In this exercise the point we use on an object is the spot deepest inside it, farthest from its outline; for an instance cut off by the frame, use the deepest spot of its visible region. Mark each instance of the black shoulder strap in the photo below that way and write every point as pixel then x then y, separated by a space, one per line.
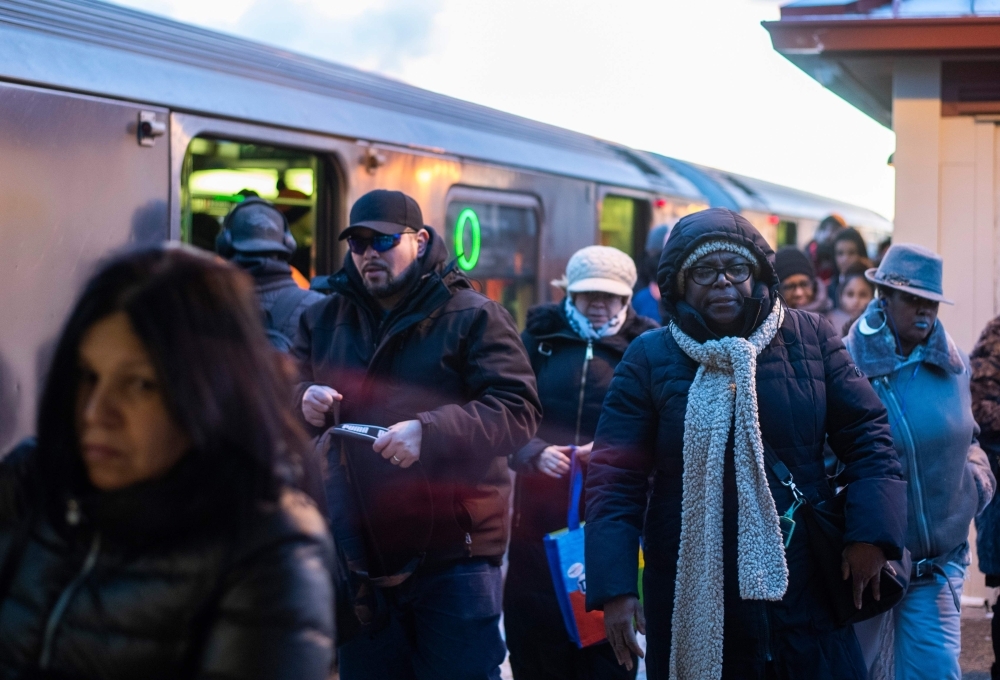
pixel 285 306
pixel 781 471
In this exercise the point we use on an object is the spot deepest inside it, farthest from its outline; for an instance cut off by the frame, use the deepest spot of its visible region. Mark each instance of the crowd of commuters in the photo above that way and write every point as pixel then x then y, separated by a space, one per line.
pixel 203 498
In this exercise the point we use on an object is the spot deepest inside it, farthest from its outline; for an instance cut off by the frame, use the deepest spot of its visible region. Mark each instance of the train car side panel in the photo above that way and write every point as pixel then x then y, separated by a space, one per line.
pixel 76 184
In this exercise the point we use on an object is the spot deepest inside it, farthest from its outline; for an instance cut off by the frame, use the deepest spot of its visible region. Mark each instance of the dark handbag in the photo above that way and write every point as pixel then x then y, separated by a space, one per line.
pixel 825 524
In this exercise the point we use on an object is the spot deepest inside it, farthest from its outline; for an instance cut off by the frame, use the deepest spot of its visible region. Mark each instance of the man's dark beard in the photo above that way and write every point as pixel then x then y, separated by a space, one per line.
pixel 394 284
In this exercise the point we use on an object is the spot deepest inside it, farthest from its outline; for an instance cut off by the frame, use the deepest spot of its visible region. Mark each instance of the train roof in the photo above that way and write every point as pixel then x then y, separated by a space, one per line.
pixel 725 189
pixel 99 48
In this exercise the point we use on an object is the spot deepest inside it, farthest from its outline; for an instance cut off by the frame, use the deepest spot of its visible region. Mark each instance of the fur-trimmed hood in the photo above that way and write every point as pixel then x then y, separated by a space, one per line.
pixel 876 355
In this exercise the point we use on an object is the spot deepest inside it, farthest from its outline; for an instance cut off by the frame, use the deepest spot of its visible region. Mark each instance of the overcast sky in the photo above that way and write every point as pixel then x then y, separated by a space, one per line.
pixel 695 79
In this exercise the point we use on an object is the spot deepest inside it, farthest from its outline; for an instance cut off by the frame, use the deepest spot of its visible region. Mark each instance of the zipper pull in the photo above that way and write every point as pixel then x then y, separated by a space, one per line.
pixel 590 350
pixel 468 538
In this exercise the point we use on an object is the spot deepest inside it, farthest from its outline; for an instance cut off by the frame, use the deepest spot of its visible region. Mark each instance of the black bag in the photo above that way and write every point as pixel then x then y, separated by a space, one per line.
pixel 825 524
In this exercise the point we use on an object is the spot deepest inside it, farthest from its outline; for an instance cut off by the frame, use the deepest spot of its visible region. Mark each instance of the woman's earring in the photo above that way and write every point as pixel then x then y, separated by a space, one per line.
pixel 866 328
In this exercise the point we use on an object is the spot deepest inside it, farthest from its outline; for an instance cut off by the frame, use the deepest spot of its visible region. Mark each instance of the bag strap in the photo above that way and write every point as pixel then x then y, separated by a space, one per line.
pixel 782 472
pixel 576 490
pixel 285 306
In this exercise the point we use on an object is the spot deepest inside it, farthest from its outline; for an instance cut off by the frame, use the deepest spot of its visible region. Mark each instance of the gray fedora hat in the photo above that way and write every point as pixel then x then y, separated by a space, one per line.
pixel 911 269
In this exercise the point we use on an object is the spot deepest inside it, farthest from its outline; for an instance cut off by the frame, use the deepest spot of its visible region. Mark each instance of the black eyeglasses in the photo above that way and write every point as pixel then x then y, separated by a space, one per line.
pixel 379 242
pixel 706 276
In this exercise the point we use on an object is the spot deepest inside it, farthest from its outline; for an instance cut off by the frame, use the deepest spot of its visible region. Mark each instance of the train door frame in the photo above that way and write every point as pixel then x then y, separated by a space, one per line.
pixel 638 237
pixel 333 183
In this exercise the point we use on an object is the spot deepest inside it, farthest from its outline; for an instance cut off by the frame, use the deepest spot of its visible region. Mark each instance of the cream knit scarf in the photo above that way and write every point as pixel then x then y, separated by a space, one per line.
pixel 724 384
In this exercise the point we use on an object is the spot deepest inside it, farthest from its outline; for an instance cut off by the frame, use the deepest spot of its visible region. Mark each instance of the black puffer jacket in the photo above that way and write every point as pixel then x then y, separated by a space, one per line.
pixel 152 583
pixel 450 358
pixel 808 390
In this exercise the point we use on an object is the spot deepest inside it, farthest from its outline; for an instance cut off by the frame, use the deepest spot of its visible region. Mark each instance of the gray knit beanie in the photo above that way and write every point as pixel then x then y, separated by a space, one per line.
pixel 599 269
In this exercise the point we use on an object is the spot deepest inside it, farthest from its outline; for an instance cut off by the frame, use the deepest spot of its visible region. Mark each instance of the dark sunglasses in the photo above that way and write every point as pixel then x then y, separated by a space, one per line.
pixel 706 276
pixel 379 242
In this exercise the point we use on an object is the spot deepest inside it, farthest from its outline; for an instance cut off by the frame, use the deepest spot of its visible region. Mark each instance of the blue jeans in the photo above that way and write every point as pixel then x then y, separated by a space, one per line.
pixel 444 624
pixel 929 628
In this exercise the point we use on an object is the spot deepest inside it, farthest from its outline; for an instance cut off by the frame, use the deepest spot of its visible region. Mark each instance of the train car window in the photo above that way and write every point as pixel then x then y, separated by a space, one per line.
pixel 218 174
pixel 625 223
pixel 496 244
pixel 788 233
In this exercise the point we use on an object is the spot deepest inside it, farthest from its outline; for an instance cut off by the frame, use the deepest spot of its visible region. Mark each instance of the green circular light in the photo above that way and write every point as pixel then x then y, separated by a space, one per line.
pixel 467 261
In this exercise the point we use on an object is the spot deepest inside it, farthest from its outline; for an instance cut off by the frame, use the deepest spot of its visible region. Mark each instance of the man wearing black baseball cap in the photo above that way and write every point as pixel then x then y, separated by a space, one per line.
pixel 404 342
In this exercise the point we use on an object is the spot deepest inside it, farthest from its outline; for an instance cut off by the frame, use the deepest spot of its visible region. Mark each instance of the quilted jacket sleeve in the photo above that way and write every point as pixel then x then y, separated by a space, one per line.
pixel 274 620
pixel 503 411
pixel 617 480
pixel 858 432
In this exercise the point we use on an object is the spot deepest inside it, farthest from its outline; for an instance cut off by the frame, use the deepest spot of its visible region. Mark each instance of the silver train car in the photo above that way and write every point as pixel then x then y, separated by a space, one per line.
pixel 119 127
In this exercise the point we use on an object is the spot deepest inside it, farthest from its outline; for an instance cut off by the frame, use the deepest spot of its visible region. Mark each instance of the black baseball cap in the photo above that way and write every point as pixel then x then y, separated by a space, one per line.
pixel 384 211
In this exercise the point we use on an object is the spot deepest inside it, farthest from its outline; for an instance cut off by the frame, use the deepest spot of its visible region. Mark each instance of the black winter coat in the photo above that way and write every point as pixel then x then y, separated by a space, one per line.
pixel 809 392
pixel 281 299
pixel 151 583
pixel 558 356
pixel 451 358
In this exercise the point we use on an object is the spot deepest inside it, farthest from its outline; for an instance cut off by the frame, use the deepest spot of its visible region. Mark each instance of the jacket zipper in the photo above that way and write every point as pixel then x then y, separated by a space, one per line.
pixel 911 455
pixel 767 632
pixel 55 617
pixel 587 358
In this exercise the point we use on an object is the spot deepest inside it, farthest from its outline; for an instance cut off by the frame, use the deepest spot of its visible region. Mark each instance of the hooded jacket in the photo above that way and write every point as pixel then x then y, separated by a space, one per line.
pixel 450 358
pixel 808 392
pixel 930 410
pixel 160 580
pixel 274 283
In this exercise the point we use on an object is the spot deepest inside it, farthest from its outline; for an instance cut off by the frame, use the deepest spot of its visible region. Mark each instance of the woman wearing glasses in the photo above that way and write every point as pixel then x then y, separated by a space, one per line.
pixel 574 347
pixel 693 405
pixel 152 531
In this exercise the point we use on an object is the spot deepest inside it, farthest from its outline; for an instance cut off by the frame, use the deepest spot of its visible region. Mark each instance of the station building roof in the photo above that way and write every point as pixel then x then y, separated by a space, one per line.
pixel 848 46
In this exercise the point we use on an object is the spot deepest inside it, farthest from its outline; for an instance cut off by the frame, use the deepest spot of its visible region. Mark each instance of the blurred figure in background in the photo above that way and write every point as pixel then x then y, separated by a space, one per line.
pixel 799 285
pixel 574 347
pixel 255 235
pixel 986 408
pixel 820 249
pixel 856 292
pixel 646 301
pixel 924 381
pixel 848 249
pixel 152 531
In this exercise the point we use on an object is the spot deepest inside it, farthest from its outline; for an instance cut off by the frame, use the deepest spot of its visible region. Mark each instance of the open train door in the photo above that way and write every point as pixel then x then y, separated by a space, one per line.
pixel 78 180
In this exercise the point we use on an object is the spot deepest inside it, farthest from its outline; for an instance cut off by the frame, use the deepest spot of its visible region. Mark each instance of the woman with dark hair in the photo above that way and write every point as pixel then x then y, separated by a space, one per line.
pixel 849 249
pixel 152 531
pixel 697 405
pixel 853 296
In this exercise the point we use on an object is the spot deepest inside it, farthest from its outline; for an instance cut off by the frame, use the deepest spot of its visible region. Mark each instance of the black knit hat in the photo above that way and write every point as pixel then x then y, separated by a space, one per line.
pixel 789 261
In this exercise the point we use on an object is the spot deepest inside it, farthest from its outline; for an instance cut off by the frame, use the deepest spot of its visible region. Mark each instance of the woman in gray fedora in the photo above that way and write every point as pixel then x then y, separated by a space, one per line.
pixel 923 380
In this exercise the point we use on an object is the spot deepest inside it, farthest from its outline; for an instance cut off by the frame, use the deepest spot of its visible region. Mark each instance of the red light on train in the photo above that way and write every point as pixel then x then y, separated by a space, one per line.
pixel 773 219
pixel 661 203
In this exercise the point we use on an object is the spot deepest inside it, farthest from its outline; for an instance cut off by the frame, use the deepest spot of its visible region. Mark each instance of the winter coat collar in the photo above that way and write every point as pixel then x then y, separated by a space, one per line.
pixel 268 272
pixel 548 322
pixel 436 284
pixel 876 355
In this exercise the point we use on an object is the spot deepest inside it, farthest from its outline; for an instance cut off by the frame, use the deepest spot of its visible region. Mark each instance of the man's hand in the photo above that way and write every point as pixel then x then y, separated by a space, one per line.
pixel 401 444
pixel 554 461
pixel 622 617
pixel 317 402
pixel 865 562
